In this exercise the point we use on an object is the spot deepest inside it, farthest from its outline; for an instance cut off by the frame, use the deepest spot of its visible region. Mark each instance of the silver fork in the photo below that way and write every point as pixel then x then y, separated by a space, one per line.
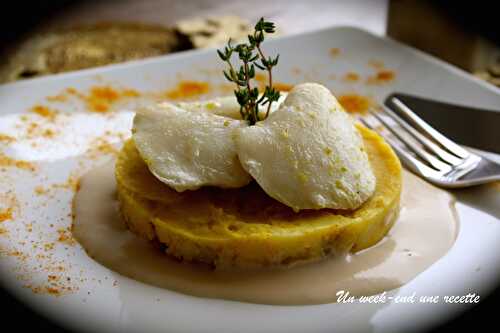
pixel 428 153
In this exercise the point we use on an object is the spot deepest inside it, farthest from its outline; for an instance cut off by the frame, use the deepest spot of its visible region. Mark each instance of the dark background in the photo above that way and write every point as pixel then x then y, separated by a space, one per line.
pixel 22 16
pixel 17 315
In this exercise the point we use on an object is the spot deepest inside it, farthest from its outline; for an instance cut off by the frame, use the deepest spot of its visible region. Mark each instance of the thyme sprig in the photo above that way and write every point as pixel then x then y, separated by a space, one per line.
pixel 251 56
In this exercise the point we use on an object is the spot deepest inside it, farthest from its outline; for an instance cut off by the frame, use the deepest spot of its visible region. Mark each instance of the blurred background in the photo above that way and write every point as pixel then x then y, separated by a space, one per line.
pixel 46 37
pixel 40 38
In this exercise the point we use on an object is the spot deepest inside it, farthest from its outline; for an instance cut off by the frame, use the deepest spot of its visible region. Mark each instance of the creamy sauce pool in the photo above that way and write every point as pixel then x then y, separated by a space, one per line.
pixel 425 230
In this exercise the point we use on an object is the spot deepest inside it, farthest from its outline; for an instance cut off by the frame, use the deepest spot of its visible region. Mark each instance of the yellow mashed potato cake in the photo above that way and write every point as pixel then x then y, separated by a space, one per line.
pixel 244 227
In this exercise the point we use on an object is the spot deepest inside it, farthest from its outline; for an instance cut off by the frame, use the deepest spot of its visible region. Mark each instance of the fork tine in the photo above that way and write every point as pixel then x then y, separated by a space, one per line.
pixel 408 160
pixel 433 161
pixel 444 155
pixel 411 162
pixel 427 129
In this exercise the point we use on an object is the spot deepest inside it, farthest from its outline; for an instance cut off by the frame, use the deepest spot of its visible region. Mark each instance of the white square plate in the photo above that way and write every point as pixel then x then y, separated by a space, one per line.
pixel 36 254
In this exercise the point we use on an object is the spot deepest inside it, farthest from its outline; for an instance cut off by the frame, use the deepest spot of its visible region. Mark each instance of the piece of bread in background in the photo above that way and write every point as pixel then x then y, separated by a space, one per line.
pixel 88 46
pixel 92 45
pixel 214 31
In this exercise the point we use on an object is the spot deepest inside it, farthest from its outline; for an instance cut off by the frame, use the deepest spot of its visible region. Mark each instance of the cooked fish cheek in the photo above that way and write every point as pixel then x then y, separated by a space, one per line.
pixel 187 150
pixel 308 154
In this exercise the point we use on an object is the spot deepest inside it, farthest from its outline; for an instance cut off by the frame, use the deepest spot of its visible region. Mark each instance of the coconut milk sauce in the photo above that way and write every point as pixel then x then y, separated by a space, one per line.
pixel 425 230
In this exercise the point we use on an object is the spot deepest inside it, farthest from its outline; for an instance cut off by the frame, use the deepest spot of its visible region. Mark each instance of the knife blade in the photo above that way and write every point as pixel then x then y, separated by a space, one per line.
pixel 473 127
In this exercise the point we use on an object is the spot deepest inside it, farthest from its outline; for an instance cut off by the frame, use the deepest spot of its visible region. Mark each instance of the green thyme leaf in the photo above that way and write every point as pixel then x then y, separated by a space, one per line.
pixel 250 54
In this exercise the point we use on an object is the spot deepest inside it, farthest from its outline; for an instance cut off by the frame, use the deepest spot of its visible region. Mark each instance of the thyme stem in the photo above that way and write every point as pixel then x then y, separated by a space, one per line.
pixel 251 55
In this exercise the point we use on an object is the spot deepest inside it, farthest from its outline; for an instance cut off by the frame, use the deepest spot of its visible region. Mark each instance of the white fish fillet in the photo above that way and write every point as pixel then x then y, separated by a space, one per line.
pixel 187 150
pixel 308 154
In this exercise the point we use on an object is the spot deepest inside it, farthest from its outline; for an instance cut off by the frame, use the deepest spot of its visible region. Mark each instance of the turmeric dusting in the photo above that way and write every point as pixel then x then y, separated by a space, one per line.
pixel 36 254
pixel 104 147
pixel 130 93
pixel 45 290
pixel 71 91
pixel 72 184
pixel 188 89
pixel 52 278
pixel 6 214
pixel 65 236
pixel 48 246
pixel 35 130
pixel 61 97
pixel 262 81
pixel 353 103
pixel 44 111
pixel 282 86
pixel 100 99
pixel 385 75
pixel 48 133
pixel 105 93
pixel 6 138
pixel 351 77
pixel 334 52
pixel 381 77
pixel 53 291
pixel 101 146
pixel 40 190
pixel 6 161
pixel 107 148
pixel 260 78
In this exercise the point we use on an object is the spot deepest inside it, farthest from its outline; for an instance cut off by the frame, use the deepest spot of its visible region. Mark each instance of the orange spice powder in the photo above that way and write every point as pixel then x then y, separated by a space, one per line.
pixel 48 133
pixel 381 77
pixel 40 190
pixel 130 93
pixel 386 75
pixel 65 236
pixel 44 290
pixel 6 161
pixel 261 78
pixel 6 214
pixel 262 81
pixel 100 98
pixel 72 184
pixel 283 86
pixel 334 52
pixel 353 103
pixel 61 97
pixel 44 111
pixel 105 147
pixel 188 89
pixel 351 77
pixel 6 138
pixel 72 91
pixel 104 93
